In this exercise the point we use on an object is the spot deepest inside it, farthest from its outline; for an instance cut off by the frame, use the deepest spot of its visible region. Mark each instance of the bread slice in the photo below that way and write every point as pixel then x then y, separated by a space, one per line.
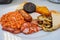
pixel 21 6
pixel 55 19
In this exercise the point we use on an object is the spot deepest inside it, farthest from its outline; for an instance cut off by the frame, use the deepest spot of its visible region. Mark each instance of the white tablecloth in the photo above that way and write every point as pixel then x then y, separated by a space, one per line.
pixel 9 36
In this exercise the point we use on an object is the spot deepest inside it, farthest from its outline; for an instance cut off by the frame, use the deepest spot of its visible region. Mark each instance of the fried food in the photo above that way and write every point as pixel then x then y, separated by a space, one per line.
pixel 12 21
pixel 42 10
pixel 50 23
pixel 45 22
pixel 34 8
pixel 29 7
pixel 21 20
pixel 26 15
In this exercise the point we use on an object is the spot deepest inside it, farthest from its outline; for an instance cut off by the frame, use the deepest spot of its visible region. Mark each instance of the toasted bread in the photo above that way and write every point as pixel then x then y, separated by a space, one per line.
pixel 21 6
pixel 55 19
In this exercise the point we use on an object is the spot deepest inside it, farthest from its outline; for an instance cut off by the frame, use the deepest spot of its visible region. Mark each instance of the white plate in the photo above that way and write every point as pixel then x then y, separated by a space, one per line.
pixel 34 36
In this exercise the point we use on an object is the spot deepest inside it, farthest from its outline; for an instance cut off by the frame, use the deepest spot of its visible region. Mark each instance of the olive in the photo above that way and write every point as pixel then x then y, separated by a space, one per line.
pixel 29 7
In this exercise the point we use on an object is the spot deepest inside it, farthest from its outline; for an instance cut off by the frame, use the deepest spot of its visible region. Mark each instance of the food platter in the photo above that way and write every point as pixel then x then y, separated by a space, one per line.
pixel 39 34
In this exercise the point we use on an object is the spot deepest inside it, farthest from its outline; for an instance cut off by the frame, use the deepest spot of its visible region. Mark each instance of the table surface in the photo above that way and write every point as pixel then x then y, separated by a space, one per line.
pixel 39 2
